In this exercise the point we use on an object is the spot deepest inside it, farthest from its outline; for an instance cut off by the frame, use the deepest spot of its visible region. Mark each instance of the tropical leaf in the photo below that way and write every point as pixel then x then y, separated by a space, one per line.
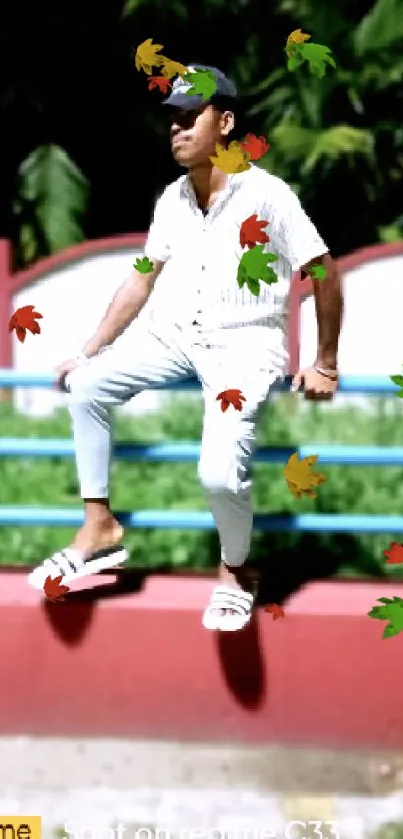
pixel 50 203
pixel 275 104
pixel 297 8
pixel 130 7
pixel 301 95
pixel 380 29
pixel 392 232
pixel 340 141
pixel 293 142
pixel 273 78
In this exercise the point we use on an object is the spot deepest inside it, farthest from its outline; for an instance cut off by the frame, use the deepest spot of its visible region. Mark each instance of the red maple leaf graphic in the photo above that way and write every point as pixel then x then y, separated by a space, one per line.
pixel 23 319
pixel 53 590
pixel 256 147
pixel 275 610
pixel 394 554
pixel 231 397
pixel 159 82
pixel 251 232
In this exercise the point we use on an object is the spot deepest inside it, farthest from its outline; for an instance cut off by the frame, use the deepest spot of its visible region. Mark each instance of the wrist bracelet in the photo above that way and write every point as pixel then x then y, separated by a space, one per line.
pixel 330 374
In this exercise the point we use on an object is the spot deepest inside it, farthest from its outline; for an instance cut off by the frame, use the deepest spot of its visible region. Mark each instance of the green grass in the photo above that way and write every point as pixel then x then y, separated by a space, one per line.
pixel 389 830
pixel 286 422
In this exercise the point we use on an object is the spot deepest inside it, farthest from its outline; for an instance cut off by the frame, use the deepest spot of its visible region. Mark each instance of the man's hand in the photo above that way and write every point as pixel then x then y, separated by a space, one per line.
pixel 62 371
pixel 316 386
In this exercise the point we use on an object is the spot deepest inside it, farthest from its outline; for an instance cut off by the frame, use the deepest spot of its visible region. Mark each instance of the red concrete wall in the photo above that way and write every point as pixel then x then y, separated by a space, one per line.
pixel 140 664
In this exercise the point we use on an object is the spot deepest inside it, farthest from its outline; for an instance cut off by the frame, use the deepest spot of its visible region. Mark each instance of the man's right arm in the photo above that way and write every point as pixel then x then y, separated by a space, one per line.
pixel 127 303
pixel 134 293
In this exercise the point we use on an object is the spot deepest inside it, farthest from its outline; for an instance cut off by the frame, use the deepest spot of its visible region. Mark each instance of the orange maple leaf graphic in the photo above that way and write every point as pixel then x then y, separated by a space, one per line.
pixel 256 147
pixel 275 610
pixel 53 590
pixel 300 480
pixel 251 232
pixel 394 554
pixel 231 397
pixel 159 82
pixel 23 319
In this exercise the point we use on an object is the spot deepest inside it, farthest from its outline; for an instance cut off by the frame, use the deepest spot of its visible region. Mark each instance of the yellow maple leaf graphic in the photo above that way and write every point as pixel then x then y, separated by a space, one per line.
pixel 231 160
pixel 300 480
pixel 298 37
pixel 172 68
pixel 146 56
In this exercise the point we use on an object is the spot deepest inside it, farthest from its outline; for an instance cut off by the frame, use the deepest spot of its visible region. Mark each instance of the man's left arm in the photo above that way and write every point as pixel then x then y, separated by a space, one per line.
pixel 329 310
pixel 300 243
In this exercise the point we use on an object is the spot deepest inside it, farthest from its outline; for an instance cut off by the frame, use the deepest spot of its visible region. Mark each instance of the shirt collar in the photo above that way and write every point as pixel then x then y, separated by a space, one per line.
pixel 234 182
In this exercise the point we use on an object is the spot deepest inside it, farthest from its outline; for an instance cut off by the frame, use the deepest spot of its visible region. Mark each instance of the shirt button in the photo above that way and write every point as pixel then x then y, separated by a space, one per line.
pixel 203 267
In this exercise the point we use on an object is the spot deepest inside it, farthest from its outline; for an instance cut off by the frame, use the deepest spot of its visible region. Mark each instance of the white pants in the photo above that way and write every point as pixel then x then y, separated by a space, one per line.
pixel 241 358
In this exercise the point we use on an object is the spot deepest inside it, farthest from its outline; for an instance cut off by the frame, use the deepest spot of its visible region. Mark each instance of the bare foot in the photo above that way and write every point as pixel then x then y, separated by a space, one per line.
pixel 96 536
pixel 237 578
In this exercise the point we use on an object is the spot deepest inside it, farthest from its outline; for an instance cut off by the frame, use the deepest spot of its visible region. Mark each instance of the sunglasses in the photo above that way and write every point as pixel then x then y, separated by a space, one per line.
pixel 185 118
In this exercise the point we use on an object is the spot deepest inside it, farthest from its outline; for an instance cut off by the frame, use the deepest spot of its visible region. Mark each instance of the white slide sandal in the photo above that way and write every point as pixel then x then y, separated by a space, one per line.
pixel 70 565
pixel 226 597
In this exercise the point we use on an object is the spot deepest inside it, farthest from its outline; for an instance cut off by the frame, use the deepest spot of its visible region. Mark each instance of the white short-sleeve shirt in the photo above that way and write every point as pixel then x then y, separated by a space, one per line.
pixel 202 252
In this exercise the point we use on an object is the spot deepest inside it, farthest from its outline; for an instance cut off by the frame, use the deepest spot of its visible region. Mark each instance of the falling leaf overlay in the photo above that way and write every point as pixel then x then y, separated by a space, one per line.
pixel 254 146
pixel 275 610
pixel 251 232
pixel 231 160
pixel 394 554
pixel 202 83
pixel 146 56
pixel 23 319
pixel 53 590
pixel 231 397
pixel 253 267
pixel 398 380
pixel 296 37
pixel 392 611
pixel 159 82
pixel 172 68
pixel 317 56
pixel 300 480
pixel 317 272
pixel 144 265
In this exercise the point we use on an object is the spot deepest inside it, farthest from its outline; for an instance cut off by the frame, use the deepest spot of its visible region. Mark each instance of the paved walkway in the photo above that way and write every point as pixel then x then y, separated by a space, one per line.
pixel 97 784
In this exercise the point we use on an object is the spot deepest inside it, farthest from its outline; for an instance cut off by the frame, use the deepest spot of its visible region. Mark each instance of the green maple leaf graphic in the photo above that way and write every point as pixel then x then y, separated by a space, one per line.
pixel 398 380
pixel 202 83
pixel 253 267
pixel 391 611
pixel 317 56
pixel 144 265
pixel 318 272
pixel 295 56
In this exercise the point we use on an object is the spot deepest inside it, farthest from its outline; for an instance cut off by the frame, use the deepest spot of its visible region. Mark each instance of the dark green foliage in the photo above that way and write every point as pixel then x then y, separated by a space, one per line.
pixel 337 140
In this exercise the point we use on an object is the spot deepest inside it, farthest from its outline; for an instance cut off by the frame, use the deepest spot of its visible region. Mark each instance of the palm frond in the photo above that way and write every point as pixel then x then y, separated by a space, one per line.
pixel 340 141
pixel 49 204
pixel 380 29
pixel 291 142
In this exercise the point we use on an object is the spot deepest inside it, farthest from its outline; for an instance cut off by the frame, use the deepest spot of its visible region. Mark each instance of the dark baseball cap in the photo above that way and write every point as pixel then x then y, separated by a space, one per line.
pixel 178 98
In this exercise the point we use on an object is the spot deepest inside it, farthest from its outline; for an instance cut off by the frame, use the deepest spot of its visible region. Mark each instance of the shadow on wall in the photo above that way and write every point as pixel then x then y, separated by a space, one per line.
pixel 285 563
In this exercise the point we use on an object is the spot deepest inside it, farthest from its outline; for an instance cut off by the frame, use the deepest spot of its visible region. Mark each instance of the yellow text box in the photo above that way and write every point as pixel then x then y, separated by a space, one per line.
pixel 20 827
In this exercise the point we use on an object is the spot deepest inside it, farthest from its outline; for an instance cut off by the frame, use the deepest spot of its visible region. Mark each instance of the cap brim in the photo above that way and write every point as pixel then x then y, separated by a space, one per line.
pixel 183 102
